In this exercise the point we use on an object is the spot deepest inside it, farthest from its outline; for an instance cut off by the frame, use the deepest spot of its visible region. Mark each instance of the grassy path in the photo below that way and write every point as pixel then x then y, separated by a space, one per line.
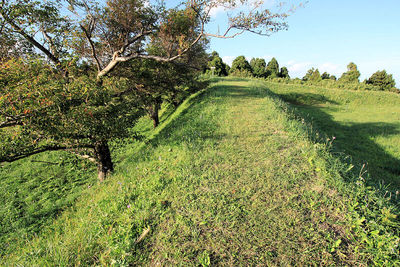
pixel 251 196
pixel 228 180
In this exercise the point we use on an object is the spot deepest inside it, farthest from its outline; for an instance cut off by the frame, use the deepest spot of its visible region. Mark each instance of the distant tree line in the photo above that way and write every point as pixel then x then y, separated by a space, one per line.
pixel 242 68
pixel 379 81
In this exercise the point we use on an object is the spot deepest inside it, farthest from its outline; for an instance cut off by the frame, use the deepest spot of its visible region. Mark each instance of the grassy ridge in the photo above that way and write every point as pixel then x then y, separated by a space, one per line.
pixel 366 125
pixel 229 179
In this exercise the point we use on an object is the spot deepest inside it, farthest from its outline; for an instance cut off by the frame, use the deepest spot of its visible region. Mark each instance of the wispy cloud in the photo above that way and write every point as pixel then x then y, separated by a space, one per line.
pixel 299 69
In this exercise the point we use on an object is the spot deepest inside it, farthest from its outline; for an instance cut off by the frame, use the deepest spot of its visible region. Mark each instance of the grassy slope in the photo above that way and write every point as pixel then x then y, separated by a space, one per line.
pixel 366 125
pixel 34 191
pixel 228 179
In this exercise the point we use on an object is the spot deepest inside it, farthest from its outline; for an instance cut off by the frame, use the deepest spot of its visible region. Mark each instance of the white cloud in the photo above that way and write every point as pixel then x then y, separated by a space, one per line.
pixel 331 68
pixel 299 69
pixel 228 60
pixel 216 11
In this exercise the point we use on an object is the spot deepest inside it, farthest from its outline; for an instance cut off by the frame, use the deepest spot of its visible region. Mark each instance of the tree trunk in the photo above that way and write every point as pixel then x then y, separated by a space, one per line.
pixel 103 158
pixel 154 112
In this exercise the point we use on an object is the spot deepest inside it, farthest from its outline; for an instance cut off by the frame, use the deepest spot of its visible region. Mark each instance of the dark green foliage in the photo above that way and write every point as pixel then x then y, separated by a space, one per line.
pixel 352 74
pixel 382 80
pixel 315 77
pixel 241 67
pixel 216 66
pixel 258 66
pixel 325 76
pixel 308 75
pixel 284 73
pixel 273 68
pixel 333 77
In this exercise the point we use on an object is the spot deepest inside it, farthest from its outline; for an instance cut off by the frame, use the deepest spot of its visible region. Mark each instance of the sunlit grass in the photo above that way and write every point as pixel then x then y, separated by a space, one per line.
pixel 366 125
pixel 230 178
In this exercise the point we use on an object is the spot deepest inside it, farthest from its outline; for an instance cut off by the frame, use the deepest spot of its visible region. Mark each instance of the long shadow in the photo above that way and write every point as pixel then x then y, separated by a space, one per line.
pixel 353 139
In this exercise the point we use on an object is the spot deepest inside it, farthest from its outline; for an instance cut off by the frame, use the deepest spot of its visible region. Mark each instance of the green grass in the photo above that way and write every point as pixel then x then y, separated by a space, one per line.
pixel 35 191
pixel 230 178
pixel 366 125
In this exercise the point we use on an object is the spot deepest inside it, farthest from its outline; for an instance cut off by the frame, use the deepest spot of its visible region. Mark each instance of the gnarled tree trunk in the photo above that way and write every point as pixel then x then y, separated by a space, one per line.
pixel 103 158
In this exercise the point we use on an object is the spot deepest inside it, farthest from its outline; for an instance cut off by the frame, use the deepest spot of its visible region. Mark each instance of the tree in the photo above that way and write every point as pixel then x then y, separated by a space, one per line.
pixel 241 67
pixel 382 80
pixel 273 68
pixel 258 66
pixel 352 74
pixel 216 66
pixel 325 76
pixel 68 95
pixel 284 73
pixel 315 77
pixel 308 75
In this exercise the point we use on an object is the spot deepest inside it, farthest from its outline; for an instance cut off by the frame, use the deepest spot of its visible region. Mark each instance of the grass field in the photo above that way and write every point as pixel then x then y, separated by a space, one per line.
pixel 366 125
pixel 230 178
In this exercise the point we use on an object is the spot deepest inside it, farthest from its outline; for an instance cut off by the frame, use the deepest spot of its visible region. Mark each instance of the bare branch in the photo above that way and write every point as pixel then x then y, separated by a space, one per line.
pixel 94 54
pixel 116 56
pixel 224 36
pixel 51 43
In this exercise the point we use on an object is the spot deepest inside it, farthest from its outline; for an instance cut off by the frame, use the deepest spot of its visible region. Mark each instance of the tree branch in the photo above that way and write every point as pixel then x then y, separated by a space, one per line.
pixel 94 54
pixel 41 150
pixel 35 43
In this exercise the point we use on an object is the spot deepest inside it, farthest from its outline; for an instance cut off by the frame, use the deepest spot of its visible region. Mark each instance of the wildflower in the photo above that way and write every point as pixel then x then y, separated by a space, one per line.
pixel 128 206
pixel 333 138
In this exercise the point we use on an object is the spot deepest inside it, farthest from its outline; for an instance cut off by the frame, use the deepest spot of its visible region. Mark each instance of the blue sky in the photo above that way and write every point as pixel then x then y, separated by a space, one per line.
pixel 326 34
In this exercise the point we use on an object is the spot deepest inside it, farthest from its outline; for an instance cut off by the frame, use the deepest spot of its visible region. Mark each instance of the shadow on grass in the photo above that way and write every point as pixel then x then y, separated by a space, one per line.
pixel 354 139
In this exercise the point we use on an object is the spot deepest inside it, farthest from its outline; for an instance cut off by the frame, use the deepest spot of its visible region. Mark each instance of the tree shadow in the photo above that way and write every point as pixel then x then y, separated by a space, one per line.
pixel 350 138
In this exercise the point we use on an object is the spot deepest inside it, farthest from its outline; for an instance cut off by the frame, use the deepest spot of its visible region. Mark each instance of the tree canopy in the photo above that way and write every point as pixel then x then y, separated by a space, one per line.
pixel 352 75
pixel 382 80
pixel 241 67
pixel 272 68
pixel 217 66
pixel 258 66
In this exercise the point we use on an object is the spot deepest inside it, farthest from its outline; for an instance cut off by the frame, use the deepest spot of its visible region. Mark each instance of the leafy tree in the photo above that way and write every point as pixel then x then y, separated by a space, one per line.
pixel 68 94
pixel 258 66
pixel 382 80
pixel 272 68
pixel 352 74
pixel 284 73
pixel 308 75
pixel 333 78
pixel 325 76
pixel 241 67
pixel 316 76
pixel 216 66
